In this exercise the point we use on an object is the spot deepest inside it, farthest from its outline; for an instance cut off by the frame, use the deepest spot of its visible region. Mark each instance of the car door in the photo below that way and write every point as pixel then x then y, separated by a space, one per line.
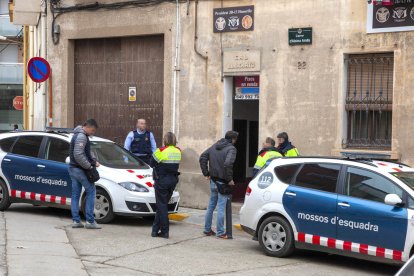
pixel 53 171
pixel 311 199
pixel 364 218
pixel 19 166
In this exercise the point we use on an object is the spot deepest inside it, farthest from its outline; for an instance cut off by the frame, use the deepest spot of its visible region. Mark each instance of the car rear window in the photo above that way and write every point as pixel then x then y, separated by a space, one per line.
pixel 318 176
pixel 287 172
pixel 28 146
pixel 5 144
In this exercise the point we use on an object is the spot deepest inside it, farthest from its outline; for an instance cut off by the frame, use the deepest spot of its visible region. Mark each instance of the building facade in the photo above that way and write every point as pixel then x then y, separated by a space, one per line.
pixel 186 68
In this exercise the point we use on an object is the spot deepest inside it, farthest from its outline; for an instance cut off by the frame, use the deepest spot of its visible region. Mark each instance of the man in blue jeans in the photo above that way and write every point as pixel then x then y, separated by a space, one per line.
pixel 81 160
pixel 217 165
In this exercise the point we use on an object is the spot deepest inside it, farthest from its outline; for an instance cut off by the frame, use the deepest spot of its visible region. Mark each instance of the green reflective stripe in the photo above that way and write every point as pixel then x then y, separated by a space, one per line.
pixel 171 161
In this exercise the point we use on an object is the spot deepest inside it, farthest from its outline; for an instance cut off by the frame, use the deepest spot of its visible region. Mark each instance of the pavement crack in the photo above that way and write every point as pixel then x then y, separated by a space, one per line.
pixel 252 269
pixel 123 267
pixel 153 248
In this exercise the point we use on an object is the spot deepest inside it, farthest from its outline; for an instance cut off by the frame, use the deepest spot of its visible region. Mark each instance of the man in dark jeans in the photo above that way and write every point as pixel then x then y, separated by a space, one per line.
pixel 81 160
pixel 217 165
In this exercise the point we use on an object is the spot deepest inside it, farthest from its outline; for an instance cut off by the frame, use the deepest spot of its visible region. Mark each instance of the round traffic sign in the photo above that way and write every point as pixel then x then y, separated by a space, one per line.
pixel 18 102
pixel 38 69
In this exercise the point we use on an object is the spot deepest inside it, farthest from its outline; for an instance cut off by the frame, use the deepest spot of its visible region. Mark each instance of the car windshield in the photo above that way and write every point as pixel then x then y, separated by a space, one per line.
pixel 406 177
pixel 111 155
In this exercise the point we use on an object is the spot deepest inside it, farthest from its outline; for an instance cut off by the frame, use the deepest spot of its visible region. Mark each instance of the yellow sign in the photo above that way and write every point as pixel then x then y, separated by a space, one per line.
pixel 132 94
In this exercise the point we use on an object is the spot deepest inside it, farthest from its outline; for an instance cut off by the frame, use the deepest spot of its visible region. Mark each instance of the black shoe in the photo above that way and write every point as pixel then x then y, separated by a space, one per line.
pixel 165 236
pixel 154 234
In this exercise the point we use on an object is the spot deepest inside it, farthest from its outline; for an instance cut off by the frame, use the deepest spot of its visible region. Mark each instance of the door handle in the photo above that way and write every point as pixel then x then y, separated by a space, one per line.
pixel 290 194
pixel 6 160
pixel 41 166
pixel 344 204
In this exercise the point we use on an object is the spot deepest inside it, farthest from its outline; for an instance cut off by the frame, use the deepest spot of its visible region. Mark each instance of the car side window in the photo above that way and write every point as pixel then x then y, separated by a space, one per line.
pixel 28 146
pixel 319 176
pixel 286 173
pixel 57 150
pixel 6 144
pixel 364 184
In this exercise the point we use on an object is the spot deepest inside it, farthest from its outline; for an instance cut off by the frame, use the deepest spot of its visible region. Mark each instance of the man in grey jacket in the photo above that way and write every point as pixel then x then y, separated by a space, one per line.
pixel 217 165
pixel 81 160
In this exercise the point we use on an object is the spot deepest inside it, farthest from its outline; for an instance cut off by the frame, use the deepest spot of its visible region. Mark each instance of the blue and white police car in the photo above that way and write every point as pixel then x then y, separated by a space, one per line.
pixel 359 208
pixel 34 169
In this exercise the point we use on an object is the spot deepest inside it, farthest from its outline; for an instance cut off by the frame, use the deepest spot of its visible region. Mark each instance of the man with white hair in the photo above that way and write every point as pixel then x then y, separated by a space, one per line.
pixel 141 142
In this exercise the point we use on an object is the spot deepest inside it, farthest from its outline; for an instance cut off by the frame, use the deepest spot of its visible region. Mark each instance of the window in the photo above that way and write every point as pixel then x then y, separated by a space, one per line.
pixel 57 150
pixel 5 144
pixel 368 185
pixel 28 146
pixel 318 176
pixel 369 99
pixel 286 173
pixel 113 156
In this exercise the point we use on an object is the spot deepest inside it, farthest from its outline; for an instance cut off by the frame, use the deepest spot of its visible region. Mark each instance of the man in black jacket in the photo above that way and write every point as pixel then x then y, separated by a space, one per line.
pixel 217 165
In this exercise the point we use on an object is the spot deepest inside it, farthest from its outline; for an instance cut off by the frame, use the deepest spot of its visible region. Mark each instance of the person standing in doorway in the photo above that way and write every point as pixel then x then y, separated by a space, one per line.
pixel 81 160
pixel 166 162
pixel 268 152
pixel 285 147
pixel 217 166
pixel 141 142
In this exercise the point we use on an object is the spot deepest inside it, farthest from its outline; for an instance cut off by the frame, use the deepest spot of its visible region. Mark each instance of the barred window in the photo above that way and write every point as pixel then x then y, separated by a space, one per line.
pixel 369 98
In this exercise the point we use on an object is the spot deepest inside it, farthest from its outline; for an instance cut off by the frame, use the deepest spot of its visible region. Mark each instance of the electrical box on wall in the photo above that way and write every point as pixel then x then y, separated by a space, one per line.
pixel 26 12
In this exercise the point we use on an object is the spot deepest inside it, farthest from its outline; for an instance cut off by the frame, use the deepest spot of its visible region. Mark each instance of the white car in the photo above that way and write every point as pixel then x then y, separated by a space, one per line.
pixel 359 208
pixel 34 169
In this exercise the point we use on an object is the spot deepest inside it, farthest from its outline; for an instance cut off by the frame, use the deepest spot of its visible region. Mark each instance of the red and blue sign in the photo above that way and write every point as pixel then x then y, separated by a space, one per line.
pixel 38 69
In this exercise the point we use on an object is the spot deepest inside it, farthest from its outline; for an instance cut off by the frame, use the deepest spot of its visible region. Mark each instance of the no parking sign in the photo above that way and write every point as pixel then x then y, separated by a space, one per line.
pixel 38 69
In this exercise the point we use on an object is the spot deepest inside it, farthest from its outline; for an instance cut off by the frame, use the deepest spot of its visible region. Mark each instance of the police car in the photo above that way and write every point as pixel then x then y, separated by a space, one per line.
pixel 34 169
pixel 359 208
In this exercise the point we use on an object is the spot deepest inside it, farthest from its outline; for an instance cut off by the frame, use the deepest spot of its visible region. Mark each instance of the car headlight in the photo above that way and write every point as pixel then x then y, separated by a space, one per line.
pixel 134 187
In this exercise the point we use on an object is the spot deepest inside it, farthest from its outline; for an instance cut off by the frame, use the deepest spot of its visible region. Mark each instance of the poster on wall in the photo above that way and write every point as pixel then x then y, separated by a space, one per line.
pixel 247 88
pixel 395 16
pixel 233 19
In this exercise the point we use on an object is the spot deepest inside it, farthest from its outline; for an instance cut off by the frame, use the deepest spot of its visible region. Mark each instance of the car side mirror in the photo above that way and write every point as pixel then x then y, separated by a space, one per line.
pixel 67 160
pixel 393 200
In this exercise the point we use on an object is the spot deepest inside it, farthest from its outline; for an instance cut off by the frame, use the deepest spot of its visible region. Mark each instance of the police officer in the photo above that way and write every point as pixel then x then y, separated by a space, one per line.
pixel 141 142
pixel 165 161
pixel 285 147
pixel 269 151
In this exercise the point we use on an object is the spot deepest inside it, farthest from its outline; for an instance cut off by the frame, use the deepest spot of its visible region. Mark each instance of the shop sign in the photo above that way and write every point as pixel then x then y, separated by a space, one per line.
pixel 241 61
pixel 395 17
pixel 247 87
pixel 233 19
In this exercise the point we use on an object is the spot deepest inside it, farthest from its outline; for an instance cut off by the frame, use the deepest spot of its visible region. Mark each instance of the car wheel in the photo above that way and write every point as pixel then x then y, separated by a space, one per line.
pixel 4 196
pixel 276 237
pixel 103 211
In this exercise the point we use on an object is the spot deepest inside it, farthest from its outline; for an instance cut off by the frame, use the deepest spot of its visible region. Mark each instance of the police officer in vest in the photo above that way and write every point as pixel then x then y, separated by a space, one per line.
pixel 285 147
pixel 165 161
pixel 268 152
pixel 141 142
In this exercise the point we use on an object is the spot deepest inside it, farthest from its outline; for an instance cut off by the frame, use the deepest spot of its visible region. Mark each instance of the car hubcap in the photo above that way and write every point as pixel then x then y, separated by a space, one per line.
pixel 274 236
pixel 101 207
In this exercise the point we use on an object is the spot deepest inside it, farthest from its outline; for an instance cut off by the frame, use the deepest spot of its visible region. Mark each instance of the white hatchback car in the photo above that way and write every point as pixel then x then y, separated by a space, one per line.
pixel 359 208
pixel 33 169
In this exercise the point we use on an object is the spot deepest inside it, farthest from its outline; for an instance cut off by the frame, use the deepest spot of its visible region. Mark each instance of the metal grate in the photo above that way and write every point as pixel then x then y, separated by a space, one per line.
pixel 369 101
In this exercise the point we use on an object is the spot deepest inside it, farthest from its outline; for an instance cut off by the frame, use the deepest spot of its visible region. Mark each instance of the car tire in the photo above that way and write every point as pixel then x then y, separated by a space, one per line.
pixel 4 196
pixel 276 237
pixel 105 213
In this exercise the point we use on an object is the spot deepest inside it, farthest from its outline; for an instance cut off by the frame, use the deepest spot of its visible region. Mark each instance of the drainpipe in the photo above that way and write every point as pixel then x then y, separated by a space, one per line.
pixel 25 86
pixel 50 100
pixel 31 84
pixel 43 54
pixel 176 69
pixel 196 32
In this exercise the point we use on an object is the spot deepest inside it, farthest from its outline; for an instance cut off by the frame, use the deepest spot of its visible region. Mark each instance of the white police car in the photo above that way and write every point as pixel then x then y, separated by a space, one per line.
pixel 33 169
pixel 359 208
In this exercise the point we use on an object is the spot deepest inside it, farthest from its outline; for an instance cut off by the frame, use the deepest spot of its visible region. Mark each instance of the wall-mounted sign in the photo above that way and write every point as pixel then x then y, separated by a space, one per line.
pixel 300 36
pixel 132 94
pixel 241 61
pixel 247 87
pixel 38 69
pixel 395 17
pixel 233 19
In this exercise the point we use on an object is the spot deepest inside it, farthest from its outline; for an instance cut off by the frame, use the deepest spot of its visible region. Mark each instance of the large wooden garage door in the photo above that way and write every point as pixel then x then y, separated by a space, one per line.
pixel 104 71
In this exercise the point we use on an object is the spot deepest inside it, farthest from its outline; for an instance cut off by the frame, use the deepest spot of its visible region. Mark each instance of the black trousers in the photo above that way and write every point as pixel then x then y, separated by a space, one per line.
pixel 164 188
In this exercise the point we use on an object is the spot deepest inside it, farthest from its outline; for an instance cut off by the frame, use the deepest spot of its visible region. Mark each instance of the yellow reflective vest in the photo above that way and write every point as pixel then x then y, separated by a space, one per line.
pixel 266 155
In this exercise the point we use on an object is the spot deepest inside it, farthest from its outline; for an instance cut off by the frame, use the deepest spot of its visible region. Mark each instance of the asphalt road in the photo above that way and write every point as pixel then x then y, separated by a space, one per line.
pixel 39 241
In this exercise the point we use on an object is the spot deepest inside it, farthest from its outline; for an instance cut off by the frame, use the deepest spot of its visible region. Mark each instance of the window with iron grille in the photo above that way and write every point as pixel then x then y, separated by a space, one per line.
pixel 369 98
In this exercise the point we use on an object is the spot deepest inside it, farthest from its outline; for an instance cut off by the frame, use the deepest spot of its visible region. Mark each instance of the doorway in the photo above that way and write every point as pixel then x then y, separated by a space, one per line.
pixel 244 120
